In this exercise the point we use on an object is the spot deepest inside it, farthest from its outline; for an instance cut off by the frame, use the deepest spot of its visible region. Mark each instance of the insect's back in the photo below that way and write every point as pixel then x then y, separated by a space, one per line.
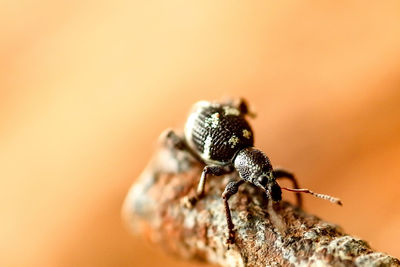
pixel 216 132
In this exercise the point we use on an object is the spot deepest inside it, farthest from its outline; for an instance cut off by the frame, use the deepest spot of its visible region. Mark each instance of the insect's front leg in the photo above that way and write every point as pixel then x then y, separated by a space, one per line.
pixel 230 189
pixel 281 173
pixel 213 170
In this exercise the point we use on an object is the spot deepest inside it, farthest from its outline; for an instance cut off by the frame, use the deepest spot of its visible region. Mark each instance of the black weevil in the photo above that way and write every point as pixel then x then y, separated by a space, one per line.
pixel 218 134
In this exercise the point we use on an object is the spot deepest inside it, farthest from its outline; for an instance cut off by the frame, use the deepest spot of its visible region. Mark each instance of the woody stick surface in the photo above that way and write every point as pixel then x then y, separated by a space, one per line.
pixel 265 236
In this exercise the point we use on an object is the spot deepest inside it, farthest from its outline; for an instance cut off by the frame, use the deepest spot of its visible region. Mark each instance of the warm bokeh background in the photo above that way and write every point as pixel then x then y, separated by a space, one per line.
pixel 87 86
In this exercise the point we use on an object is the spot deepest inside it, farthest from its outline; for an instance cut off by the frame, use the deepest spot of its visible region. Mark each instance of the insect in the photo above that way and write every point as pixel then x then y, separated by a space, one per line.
pixel 218 134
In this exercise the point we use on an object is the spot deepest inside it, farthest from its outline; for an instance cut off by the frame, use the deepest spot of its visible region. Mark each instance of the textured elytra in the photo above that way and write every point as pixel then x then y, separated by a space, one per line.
pixel 217 132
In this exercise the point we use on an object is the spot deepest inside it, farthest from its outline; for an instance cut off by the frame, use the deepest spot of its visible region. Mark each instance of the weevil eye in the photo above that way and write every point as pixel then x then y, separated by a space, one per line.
pixel 276 192
pixel 263 180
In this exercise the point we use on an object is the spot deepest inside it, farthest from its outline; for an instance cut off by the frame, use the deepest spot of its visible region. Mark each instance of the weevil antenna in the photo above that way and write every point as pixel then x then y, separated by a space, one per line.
pixel 326 197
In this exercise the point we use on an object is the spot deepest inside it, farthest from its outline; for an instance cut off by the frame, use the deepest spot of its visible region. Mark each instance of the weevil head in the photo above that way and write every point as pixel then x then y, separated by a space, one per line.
pixel 255 167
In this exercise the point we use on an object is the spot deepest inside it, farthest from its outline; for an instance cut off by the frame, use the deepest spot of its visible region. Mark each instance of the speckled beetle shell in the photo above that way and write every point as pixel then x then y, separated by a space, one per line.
pixel 216 132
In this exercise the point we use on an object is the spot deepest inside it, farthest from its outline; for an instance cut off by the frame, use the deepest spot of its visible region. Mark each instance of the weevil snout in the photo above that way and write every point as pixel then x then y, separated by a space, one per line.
pixel 276 192
pixel 271 188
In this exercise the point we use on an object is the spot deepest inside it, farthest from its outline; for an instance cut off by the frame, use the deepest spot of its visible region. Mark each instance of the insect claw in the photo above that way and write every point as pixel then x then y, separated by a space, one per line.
pixel 231 237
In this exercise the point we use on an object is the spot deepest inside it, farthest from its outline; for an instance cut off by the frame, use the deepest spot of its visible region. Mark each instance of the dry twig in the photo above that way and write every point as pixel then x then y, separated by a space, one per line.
pixel 281 237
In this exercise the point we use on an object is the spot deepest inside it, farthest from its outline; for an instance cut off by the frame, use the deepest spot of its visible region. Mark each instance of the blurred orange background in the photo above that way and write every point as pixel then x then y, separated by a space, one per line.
pixel 87 86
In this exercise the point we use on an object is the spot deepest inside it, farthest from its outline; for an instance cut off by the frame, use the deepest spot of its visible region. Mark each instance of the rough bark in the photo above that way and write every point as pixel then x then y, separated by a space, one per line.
pixel 282 235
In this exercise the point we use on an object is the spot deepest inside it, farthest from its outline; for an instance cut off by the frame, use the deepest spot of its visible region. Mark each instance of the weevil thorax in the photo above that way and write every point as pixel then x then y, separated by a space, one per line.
pixel 217 131
pixel 255 167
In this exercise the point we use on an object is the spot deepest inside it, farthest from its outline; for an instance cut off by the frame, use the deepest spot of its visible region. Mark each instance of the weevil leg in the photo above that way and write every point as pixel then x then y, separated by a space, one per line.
pixel 281 173
pixel 173 140
pixel 214 170
pixel 244 108
pixel 230 189
pixel 241 104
